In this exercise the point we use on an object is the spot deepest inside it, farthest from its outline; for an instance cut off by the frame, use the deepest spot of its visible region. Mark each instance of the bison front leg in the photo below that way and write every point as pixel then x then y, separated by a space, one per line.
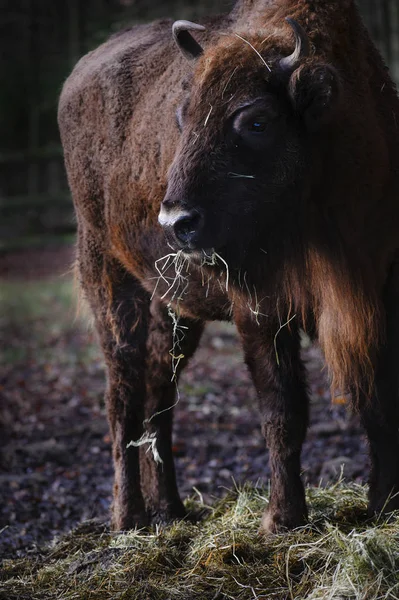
pixel 272 355
pixel 168 350
pixel 380 416
pixel 137 339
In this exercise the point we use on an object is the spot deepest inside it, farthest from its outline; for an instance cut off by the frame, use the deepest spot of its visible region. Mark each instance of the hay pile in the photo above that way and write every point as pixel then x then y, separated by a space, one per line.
pixel 340 555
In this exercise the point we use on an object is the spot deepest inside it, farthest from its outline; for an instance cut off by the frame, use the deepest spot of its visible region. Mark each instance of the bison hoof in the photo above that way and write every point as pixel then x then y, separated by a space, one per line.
pixel 130 521
pixel 383 506
pixel 164 516
pixel 275 521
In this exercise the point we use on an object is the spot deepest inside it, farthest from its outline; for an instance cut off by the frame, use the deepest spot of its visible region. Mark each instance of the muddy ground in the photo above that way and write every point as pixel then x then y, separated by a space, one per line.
pixel 55 454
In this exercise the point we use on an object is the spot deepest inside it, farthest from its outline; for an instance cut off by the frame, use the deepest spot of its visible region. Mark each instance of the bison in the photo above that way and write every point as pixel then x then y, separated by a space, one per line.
pixel 245 169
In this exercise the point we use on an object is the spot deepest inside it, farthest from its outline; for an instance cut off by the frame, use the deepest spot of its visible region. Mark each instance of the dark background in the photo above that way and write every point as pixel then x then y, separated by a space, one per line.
pixel 41 40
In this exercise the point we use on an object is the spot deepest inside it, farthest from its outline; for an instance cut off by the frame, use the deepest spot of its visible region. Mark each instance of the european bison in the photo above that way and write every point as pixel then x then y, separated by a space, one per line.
pixel 250 174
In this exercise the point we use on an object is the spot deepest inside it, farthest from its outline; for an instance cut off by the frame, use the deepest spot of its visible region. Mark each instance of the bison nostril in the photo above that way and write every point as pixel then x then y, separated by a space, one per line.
pixel 186 227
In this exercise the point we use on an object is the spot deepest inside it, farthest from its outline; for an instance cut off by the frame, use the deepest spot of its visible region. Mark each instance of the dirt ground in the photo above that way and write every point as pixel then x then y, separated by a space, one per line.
pixel 55 455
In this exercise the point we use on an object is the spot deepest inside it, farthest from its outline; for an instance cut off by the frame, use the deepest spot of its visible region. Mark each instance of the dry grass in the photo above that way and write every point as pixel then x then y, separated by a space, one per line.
pixel 340 555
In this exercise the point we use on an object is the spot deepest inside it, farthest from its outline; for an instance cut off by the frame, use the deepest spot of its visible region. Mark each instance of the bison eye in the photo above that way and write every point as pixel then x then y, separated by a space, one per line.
pixel 258 125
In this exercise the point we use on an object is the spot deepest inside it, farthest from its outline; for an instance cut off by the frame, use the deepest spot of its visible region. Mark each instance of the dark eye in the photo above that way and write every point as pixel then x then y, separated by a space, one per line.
pixel 258 125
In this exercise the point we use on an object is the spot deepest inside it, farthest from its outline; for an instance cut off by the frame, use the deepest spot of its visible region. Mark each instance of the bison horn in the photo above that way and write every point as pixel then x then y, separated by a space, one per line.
pixel 187 45
pixel 302 47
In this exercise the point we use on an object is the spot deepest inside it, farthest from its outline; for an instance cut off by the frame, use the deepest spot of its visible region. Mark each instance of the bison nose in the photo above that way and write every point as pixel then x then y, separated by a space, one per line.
pixel 182 226
pixel 186 227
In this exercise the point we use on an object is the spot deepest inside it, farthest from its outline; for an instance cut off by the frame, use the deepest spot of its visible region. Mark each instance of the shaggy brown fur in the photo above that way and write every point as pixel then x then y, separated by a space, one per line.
pixel 307 225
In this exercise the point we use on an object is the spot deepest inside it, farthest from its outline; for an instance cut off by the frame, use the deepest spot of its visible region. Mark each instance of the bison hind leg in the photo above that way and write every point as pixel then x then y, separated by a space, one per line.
pixel 120 308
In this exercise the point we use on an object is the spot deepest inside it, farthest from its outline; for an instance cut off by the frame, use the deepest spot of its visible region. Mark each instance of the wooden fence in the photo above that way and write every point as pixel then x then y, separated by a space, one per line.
pixel 34 197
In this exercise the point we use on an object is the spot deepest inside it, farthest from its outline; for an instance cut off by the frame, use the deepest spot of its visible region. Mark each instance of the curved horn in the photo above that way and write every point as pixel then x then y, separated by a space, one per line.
pixel 302 46
pixel 187 45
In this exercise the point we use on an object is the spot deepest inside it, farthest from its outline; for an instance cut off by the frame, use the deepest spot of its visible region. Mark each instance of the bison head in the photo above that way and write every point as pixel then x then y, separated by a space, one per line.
pixel 249 124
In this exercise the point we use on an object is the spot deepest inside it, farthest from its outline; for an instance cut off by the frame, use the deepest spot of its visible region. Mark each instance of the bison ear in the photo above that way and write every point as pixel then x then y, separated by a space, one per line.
pixel 315 91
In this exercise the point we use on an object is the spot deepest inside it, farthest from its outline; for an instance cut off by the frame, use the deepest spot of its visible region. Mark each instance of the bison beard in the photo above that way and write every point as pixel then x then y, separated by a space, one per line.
pixel 268 149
